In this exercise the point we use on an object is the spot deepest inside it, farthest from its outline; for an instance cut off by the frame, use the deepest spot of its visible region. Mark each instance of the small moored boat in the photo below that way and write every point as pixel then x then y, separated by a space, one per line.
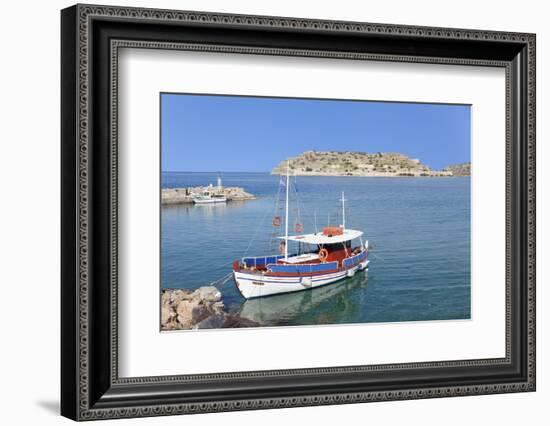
pixel 211 195
pixel 329 256
pixel 209 198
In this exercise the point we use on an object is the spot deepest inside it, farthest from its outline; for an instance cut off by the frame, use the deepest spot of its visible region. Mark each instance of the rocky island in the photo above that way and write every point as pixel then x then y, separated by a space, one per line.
pixel 380 164
pixel 183 309
pixel 462 169
pixel 185 195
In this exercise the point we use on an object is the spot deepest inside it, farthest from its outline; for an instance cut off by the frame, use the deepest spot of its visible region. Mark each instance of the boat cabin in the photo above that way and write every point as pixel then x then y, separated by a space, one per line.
pixel 332 247
pixel 333 244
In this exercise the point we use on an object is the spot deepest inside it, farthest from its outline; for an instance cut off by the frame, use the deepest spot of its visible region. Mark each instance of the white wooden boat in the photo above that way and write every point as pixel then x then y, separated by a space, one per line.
pixel 209 198
pixel 331 255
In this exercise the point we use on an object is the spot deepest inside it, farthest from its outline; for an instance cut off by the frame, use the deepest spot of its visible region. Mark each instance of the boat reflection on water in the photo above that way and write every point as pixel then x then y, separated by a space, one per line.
pixel 339 300
pixel 201 210
pixel 211 209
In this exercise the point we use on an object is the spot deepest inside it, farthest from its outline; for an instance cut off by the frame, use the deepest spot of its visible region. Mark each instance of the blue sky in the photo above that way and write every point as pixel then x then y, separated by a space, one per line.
pixel 249 134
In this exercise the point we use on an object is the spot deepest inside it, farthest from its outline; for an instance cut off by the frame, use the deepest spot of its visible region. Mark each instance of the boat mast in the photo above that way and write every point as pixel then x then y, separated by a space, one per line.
pixel 286 212
pixel 315 219
pixel 343 212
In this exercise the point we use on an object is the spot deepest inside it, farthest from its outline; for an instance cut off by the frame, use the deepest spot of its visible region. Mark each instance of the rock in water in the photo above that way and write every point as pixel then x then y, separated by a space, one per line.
pixel 183 309
pixel 213 321
pixel 209 293
pixel 200 312
pixel 217 307
pixel 166 298
pixel 178 295
pixel 185 313
pixel 236 321
pixel 166 314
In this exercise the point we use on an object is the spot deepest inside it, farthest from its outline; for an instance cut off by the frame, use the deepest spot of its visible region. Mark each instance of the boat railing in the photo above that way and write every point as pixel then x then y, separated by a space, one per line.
pixel 261 260
pixel 270 262
pixel 308 268
pixel 355 260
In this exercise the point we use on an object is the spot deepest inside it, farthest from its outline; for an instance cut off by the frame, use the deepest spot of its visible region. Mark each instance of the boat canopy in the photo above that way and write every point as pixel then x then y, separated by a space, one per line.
pixel 321 238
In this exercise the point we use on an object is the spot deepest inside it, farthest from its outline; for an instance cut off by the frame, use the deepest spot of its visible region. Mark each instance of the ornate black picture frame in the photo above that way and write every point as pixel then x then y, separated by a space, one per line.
pixel 91 36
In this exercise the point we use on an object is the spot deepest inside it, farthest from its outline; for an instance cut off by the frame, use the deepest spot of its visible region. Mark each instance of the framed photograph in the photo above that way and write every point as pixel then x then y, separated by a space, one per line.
pixel 263 212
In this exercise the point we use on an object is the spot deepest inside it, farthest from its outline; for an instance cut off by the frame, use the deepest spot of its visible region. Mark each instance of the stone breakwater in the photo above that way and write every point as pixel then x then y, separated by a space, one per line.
pixel 185 195
pixel 183 309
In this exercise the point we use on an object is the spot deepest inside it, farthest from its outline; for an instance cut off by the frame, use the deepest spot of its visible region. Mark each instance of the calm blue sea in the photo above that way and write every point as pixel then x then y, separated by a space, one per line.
pixel 419 227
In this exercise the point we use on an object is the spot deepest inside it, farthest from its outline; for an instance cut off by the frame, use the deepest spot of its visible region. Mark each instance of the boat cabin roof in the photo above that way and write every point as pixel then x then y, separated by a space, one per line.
pixel 320 238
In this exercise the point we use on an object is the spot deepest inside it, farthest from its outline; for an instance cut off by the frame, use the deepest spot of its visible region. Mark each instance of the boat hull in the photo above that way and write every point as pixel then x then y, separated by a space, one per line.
pixel 210 201
pixel 252 285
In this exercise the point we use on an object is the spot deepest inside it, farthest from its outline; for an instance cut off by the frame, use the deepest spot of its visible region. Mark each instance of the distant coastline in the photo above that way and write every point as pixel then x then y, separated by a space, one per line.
pixel 380 164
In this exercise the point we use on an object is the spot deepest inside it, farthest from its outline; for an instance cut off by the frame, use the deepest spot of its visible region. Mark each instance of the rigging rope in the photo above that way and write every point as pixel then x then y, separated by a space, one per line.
pixel 297 208
pixel 277 214
pixel 374 254
pixel 260 223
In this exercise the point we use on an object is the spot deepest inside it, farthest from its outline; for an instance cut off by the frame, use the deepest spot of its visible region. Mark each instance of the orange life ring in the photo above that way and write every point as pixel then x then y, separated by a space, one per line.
pixel 323 254
pixel 277 221
pixel 282 247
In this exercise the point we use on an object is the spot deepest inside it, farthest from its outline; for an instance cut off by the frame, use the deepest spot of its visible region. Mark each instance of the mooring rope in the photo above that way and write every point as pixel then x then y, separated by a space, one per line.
pixel 374 254
pixel 222 281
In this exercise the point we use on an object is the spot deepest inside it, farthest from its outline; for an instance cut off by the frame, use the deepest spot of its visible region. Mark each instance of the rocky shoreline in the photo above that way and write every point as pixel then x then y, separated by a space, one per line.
pixel 183 309
pixel 185 195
